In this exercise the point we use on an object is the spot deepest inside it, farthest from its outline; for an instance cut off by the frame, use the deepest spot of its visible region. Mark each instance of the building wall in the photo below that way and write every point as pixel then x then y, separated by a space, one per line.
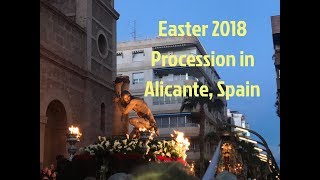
pixel 275 22
pixel 68 73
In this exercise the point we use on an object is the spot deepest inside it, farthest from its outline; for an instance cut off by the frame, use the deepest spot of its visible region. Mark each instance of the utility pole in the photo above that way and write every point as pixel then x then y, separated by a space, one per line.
pixel 134 31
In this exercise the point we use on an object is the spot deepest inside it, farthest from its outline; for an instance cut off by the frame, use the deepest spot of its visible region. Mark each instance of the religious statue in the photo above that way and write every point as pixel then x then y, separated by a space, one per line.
pixel 145 119
pixel 120 125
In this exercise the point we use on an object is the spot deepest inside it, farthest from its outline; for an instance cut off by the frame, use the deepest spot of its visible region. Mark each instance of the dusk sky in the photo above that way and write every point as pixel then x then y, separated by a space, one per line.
pixel 260 112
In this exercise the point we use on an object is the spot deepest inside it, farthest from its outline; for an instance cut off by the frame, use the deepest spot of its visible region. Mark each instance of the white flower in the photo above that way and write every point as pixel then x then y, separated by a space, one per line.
pixel 148 148
pixel 116 143
pixel 124 142
pixel 129 149
pixel 101 146
pixel 156 152
pixel 165 149
pixel 107 143
pixel 168 154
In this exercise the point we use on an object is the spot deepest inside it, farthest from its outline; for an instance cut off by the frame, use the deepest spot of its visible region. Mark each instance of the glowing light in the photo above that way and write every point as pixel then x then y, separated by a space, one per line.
pixel 192 168
pixel 182 142
pixel 263 155
pixel 264 160
pixel 240 129
pixel 142 129
pixel 75 130
pixel 258 149
pixel 249 140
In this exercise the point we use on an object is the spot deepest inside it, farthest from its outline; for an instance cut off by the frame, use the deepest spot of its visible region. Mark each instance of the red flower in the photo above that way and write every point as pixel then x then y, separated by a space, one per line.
pixel 168 159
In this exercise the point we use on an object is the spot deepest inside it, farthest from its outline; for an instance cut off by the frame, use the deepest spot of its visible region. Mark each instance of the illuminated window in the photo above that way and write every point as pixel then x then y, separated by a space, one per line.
pixel 137 78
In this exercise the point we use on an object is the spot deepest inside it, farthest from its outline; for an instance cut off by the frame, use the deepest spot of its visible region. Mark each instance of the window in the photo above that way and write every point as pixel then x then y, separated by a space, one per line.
pixel 155 100
pixel 166 100
pixel 173 122
pixel 138 56
pixel 161 100
pixel 137 78
pixel 194 145
pixel 190 122
pixel 119 56
pixel 165 122
pixel 181 121
pixel 102 44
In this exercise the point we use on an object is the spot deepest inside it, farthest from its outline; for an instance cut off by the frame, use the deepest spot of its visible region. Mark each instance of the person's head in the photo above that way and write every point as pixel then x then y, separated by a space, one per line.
pixel 120 176
pixel 162 171
pixel 52 166
pixel 126 97
pixel 45 170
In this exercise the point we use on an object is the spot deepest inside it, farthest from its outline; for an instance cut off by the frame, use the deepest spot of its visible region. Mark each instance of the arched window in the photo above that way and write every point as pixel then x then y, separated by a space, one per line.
pixel 102 117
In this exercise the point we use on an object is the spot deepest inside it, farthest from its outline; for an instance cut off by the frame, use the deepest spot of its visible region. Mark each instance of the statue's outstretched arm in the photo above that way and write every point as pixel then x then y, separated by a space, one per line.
pixel 129 107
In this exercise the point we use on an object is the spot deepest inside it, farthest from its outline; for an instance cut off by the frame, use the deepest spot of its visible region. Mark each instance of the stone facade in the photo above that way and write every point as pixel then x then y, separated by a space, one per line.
pixel 77 69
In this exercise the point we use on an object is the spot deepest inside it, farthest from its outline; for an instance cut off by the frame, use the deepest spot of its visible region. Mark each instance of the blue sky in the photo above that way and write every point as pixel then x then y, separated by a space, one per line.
pixel 260 111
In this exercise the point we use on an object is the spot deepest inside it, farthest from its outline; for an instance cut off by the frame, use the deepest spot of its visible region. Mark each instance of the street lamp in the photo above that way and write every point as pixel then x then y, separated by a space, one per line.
pixel 249 140
pixel 258 149
pixel 72 138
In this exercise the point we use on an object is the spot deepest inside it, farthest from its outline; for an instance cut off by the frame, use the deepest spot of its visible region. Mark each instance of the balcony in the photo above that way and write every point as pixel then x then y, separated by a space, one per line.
pixel 276 58
pixel 175 78
pixel 190 130
pixel 193 155
pixel 278 83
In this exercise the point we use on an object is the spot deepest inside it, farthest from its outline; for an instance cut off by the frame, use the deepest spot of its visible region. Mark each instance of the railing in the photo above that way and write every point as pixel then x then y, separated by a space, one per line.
pixel 211 170
pixel 178 125
pixel 175 78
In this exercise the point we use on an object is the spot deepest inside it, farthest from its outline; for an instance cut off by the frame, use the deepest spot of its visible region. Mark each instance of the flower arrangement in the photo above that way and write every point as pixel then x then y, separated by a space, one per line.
pixel 158 149
pixel 113 155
